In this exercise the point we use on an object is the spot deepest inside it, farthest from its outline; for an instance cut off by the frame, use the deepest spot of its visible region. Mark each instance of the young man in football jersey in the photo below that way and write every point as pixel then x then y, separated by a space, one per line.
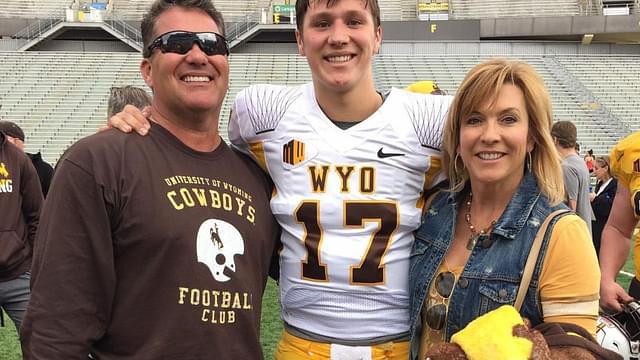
pixel 349 166
pixel 624 217
pixel 157 247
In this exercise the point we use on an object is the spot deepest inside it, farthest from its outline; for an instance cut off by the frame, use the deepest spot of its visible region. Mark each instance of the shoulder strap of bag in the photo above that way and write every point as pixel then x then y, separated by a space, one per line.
pixel 533 257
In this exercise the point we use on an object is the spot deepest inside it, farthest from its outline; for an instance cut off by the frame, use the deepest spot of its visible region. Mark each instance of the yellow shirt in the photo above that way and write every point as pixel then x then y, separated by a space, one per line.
pixel 568 286
pixel 636 252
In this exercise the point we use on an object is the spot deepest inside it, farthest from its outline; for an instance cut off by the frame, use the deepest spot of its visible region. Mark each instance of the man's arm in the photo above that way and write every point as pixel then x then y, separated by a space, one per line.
pixel 614 250
pixel 130 118
pixel 31 198
pixel 571 186
pixel 73 272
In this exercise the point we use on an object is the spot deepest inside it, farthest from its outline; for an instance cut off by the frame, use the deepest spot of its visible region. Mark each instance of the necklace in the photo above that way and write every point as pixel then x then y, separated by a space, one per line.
pixel 475 235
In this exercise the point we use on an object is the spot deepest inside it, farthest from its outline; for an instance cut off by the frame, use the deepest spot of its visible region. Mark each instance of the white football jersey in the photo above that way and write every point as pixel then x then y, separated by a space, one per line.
pixel 348 202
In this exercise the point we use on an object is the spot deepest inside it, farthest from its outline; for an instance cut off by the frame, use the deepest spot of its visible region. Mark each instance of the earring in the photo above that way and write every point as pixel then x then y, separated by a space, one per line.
pixel 529 161
pixel 455 164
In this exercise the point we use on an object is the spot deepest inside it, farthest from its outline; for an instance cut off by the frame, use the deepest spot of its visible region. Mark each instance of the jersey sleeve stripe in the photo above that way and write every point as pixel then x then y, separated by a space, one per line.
pixel 574 308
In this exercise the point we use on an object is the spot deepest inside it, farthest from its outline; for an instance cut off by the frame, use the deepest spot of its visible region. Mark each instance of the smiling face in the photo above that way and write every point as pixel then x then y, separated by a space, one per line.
pixel 189 83
pixel 339 42
pixel 494 140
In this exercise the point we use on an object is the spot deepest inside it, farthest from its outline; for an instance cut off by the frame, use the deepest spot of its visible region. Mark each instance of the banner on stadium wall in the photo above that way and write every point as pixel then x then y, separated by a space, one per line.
pixel 467 30
pixel 284 14
pixel 433 10
pixel 433 7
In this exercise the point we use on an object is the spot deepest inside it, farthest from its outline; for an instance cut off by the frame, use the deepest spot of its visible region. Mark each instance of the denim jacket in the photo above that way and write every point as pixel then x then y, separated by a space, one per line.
pixel 491 276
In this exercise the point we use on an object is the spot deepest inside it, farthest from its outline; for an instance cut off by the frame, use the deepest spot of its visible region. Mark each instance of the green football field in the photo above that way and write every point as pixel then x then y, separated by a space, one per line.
pixel 271 324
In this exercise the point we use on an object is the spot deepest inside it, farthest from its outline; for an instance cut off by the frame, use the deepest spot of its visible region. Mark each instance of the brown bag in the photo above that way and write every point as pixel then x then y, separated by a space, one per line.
pixel 572 342
pixel 562 344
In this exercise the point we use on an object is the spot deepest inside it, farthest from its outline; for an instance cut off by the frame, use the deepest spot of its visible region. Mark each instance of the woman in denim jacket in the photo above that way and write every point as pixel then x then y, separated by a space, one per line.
pixel 505 177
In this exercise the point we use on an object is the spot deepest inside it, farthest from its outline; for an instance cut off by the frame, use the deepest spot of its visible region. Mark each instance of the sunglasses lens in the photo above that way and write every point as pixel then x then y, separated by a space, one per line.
pixel 436 316
pixel 212 44
pixel 444 283
pixel 180 42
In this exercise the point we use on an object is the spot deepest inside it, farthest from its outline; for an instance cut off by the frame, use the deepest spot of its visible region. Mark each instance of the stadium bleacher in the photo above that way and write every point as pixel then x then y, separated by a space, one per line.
pixel 448 71
pixel 614 80
pixel 60 97
pixel 33 9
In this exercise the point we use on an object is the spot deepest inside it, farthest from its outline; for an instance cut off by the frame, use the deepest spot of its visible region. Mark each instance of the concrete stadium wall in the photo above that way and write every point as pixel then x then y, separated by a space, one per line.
pixel 83 46
pixel 510 27
pixel 267 48
pixel 8 44
pixel 464 48
pixel 504 48
pixel 561 25
pixel 9 27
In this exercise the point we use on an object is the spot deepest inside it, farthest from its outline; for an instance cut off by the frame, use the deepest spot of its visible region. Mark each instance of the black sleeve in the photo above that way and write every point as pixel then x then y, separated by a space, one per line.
pixel 31 198
pixel 45 172
pixel 274 267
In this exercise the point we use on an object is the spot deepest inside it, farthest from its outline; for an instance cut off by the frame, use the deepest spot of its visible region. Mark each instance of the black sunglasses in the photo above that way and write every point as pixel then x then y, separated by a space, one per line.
pixel 181 42
pixel 437 314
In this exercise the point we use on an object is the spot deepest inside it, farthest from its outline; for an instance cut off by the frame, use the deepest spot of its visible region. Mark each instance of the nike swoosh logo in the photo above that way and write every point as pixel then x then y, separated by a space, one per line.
pixel 383 155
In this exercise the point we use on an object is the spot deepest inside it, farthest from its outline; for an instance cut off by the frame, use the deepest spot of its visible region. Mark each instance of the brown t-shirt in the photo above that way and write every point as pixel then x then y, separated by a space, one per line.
pixel 150 250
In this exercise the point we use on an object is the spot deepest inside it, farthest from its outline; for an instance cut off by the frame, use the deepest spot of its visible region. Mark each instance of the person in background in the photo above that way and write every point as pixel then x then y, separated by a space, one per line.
pixel 119 97
pixel 574 171
pixel 588 159
pixel 617 233
pixel 602 198
pixel 505 180
pixel 15 135
pixel 157 247
pixel 20 203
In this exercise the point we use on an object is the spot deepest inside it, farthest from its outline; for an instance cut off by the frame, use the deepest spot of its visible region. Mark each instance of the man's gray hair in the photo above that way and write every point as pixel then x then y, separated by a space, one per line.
pixel 121 96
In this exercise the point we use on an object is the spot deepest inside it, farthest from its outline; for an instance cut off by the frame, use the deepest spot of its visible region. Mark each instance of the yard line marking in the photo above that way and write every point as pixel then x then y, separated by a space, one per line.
pixel 627 273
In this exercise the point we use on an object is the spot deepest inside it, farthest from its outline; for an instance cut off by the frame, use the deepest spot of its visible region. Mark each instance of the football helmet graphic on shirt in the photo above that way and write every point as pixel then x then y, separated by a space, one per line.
pixel 218 243
pixel 625 165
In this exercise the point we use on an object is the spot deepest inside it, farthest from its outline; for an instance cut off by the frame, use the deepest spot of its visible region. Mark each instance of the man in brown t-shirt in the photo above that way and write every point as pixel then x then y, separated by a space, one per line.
pixel 157 247
pixel 20 203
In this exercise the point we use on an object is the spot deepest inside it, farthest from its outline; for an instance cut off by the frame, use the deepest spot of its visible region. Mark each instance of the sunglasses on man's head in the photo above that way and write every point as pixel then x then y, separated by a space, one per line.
pixel 180 42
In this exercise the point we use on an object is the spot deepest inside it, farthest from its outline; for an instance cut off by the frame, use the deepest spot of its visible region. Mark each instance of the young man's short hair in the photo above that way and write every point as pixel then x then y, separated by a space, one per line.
pixel 566 134
pixel 303 5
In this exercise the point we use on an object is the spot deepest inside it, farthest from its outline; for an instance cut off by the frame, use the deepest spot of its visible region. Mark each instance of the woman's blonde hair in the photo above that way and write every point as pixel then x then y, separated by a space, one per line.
pixel 483 83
